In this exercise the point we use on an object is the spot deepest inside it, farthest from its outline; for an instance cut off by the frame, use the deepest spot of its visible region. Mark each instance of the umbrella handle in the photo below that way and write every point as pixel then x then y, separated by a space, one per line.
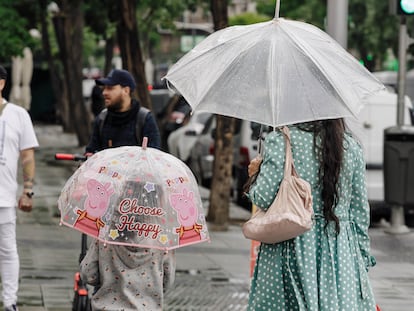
pixel 144 143
pixel 260 141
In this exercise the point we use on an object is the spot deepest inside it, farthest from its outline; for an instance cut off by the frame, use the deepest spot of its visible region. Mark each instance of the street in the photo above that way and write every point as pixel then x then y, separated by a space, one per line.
pixel 210 276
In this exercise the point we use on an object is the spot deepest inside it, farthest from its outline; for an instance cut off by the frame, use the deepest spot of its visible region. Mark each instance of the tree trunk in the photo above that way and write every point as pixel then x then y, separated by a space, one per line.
pixel 58 85
pixel 131 54
pixel 71 47
pixel 218 212
pixel 109 54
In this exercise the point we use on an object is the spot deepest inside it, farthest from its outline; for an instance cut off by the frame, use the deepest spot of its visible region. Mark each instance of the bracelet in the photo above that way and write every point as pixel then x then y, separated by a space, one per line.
pixel 29 194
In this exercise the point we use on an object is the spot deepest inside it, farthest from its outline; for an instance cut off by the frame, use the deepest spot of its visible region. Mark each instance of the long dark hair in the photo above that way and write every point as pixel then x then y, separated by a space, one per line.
pixel 330 153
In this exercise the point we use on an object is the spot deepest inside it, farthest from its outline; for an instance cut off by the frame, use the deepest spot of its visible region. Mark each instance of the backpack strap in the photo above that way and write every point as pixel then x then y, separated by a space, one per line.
pixel 102 116
pixel 140 122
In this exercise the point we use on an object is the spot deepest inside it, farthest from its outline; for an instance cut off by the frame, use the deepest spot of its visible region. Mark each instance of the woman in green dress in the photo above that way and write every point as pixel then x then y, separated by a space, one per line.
pixel 325 268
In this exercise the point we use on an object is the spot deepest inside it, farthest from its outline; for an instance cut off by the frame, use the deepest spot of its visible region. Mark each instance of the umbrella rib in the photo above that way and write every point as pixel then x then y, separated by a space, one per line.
pixel 300 72
pixel 273 91
pixel 317 65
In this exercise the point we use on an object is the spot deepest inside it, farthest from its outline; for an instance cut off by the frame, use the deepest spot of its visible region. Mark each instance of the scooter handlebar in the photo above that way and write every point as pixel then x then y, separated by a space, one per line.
pixel 70 157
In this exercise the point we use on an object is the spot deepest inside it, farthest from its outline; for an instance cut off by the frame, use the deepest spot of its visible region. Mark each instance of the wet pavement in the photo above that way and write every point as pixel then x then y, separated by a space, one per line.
pixel 210 276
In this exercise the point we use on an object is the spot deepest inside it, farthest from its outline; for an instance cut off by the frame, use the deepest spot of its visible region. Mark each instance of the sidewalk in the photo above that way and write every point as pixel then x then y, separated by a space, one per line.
pixel 210 276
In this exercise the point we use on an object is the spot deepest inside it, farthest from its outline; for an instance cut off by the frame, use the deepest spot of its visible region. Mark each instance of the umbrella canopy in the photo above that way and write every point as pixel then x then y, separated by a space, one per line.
pixel 135 196
pixel 276 73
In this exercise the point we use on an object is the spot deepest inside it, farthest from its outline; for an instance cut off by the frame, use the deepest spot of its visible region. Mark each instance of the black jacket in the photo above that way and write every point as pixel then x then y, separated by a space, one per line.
pixel 119 130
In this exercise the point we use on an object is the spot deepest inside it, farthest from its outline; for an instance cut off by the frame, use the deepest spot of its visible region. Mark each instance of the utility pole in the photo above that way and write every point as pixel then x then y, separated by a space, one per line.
pixel 337 21
pixel 403 43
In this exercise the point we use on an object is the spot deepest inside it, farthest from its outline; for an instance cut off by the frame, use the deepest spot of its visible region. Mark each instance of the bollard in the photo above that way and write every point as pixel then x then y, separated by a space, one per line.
pixel 397 221
pixel 398 174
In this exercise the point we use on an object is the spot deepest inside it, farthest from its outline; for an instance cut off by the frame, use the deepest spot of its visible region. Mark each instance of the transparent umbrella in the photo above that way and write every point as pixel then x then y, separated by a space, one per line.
pixel 275 73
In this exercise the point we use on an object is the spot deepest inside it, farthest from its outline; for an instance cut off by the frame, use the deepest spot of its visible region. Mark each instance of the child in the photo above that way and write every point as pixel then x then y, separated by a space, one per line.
pixel 126 277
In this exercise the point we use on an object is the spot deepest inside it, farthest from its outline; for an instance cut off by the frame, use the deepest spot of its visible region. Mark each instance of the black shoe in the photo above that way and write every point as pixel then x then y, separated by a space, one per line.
pixel 11 308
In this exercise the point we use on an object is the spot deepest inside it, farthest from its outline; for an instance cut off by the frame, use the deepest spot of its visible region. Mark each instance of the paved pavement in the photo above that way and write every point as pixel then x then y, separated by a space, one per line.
pixel 210 276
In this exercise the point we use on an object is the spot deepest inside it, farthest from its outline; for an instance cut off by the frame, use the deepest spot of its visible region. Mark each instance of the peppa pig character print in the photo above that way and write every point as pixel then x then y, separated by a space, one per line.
pixel 187 215
pixel 95 206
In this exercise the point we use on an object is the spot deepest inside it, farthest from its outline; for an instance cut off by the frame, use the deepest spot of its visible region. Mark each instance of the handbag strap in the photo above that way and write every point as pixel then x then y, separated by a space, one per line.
pixel 289 163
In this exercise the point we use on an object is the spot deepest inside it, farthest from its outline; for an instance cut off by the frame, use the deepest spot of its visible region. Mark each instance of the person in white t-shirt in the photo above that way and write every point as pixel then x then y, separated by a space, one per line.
pixel 17 141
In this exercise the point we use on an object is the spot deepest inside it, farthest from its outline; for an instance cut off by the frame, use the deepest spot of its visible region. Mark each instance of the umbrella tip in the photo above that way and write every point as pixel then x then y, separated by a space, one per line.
pixel 144 143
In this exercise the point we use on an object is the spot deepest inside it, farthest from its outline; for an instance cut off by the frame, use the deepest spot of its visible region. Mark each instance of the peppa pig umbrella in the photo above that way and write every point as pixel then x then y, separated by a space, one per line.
pixel 135 196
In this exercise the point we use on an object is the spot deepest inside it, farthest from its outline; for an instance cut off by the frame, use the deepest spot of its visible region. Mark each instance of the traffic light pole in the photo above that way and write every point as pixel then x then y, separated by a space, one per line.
pixel 402 69
pixel 337 21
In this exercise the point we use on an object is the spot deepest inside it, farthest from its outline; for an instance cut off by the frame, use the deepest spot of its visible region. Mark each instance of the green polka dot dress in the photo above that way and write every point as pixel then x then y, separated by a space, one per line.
pixel 317 271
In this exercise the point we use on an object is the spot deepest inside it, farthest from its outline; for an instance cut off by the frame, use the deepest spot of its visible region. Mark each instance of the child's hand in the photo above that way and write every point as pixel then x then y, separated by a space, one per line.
pixel 254 166
pixel 88 154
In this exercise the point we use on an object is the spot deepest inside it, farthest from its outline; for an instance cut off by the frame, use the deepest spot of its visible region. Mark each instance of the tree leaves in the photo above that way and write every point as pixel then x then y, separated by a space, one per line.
pixel 14 36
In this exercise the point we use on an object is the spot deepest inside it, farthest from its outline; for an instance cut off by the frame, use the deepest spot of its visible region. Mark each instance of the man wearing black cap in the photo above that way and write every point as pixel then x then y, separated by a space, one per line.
pixel 118 124
pixel 17 140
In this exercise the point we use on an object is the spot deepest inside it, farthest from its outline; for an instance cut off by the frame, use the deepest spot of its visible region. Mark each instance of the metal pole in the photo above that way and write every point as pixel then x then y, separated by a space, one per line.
pixel 402 70
pixel 337 21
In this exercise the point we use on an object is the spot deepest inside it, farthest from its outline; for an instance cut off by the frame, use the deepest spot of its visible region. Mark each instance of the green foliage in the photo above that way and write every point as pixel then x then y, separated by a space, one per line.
pixel 371 29
pixel 14 34
pixel 97 17
pixel 310 11
pixel 160 14
pixel 247 18
pixel 101 18
pixel 155 15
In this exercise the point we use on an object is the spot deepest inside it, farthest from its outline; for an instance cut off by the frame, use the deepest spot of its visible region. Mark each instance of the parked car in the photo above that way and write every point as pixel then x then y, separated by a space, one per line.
pixel 174 115
pixel 181 141
pixel 245 144
pixel 201 155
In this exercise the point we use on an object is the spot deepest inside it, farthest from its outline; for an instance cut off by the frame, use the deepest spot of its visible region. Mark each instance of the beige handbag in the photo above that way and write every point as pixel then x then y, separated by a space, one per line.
pixel 290 214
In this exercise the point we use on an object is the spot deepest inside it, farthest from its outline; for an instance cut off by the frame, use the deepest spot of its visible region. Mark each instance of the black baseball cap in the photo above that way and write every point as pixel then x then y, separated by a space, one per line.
pixel 118 76
pixel 3 73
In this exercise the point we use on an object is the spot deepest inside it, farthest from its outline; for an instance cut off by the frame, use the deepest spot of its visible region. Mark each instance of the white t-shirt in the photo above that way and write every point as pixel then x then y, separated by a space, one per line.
pixel 16 134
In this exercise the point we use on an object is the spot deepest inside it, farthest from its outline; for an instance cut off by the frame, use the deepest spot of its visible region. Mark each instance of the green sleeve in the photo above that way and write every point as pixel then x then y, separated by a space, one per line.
pixel 359 209
pixel 263 191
